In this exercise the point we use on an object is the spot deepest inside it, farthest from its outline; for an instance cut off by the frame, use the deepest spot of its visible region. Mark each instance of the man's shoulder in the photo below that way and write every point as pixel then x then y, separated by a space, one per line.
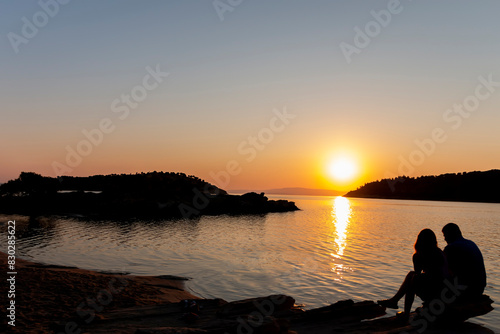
pixel 469 244
pixel 461 244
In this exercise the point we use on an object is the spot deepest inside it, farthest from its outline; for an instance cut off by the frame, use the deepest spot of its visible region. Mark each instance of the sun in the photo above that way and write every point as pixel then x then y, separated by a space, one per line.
pixel 343 169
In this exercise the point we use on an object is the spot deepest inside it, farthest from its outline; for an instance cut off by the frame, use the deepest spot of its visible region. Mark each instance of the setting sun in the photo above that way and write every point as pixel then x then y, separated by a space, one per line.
pixel 343 169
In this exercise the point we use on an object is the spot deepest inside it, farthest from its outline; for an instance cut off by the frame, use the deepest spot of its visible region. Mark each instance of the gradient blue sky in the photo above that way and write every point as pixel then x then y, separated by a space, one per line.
pixel 226 78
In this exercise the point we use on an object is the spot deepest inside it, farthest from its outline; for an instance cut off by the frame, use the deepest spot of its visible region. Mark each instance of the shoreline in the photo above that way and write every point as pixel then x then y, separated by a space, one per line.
pixel 47 295
pixel 61 299
pixel 58 299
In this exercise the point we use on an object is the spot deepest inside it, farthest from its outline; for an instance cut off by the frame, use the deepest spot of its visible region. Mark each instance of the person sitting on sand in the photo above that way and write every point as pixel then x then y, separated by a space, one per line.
pixel 427 279
pixel 465 261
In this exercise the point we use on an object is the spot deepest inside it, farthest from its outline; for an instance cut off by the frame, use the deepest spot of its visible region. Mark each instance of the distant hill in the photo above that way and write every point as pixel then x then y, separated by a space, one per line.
pixel 465 187
pixel 304 191
pixel 125 196
pixel 295 191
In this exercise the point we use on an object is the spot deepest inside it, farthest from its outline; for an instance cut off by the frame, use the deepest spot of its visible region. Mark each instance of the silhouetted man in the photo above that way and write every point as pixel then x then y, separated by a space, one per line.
pixel 465 261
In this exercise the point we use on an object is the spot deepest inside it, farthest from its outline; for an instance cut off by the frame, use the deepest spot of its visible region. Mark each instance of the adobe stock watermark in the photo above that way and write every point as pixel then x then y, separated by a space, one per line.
pixel 225 6
pixel 372 29
pixel 454 118
pixel 436 307
pixel 249 149
pixel 264 309
pixel 122 107
pixel 31 26
pixel 87 309
pixel 268 306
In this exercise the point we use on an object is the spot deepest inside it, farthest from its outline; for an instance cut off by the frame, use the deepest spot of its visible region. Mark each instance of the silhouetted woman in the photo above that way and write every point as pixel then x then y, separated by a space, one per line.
pixel 426 281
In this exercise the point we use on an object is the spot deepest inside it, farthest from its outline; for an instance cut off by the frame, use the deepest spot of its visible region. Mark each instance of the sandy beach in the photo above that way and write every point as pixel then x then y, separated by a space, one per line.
pixel 47 296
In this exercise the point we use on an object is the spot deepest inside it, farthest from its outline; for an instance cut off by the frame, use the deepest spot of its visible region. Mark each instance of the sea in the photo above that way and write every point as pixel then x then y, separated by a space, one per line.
pixel 334 248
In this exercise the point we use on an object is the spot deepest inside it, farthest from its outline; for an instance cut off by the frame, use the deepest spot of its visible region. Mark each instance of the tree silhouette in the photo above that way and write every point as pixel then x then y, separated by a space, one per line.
pixel 467 186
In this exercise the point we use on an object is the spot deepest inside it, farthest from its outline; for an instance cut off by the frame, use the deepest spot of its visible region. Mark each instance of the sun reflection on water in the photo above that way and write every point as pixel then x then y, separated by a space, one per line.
pixel 341 214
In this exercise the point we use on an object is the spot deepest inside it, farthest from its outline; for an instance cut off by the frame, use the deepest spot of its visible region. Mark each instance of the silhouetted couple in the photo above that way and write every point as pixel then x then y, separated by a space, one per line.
pixel 458 270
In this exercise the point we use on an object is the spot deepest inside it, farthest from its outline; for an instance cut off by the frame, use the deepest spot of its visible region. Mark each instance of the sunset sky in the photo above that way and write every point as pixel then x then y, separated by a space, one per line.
pixel 258 95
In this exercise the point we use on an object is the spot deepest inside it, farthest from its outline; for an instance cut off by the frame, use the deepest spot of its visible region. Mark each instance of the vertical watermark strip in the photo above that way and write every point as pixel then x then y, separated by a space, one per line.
pixel 11 273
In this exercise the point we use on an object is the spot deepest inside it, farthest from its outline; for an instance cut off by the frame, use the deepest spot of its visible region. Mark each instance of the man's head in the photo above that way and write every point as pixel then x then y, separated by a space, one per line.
pixel 451 232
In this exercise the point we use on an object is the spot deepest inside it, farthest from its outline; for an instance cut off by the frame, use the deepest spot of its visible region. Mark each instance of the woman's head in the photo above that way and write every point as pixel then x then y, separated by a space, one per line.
pixel 426 240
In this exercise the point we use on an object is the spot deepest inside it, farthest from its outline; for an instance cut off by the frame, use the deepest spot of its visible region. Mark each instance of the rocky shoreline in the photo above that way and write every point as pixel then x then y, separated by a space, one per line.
pixel 70 300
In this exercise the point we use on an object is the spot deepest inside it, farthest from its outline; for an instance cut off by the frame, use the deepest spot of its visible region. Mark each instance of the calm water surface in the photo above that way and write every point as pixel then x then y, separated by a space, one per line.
pixel 333 249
